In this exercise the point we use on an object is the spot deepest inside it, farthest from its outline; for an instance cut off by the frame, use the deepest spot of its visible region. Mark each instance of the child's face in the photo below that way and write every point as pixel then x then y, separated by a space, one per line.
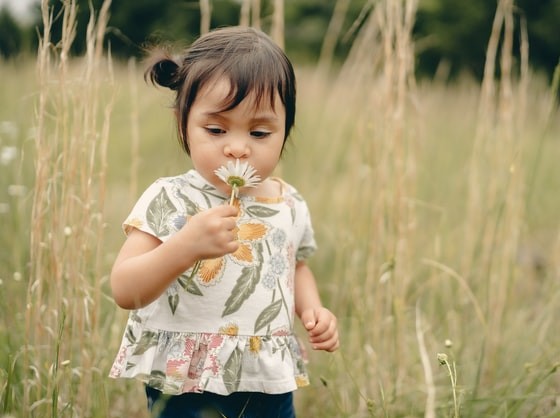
pixel 249 133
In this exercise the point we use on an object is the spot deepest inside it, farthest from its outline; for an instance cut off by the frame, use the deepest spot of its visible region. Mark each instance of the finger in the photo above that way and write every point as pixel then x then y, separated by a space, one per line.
pixel 309 319
pixel 230 210
pixel 230 224
pixel 225 211
pixel 325 320
pixel 232 246
pixel 328 332
pixel 331 344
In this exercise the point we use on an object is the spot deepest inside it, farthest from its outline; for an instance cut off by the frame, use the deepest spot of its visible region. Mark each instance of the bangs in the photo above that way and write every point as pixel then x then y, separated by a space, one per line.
pixel 254 66
pixel 256 93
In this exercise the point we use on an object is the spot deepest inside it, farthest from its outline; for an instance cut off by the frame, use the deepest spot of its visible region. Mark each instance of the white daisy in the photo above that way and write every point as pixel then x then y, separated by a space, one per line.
pixel 238 175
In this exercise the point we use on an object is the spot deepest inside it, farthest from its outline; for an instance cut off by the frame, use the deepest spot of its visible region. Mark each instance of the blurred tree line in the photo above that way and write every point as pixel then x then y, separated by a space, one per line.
pixel 451 35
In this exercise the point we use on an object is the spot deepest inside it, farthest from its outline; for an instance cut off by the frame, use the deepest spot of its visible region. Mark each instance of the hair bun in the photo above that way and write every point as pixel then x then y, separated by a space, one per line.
pixel 165 72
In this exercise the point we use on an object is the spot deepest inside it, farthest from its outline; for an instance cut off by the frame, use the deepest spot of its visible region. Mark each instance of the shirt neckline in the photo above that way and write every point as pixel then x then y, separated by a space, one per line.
pixel 261 199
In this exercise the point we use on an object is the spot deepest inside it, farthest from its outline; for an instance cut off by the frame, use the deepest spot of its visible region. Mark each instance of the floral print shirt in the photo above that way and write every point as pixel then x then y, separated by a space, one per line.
pixel 226 324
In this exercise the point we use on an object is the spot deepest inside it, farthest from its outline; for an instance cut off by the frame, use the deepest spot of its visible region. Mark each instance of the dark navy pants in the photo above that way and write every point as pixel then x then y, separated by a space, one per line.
pixel 211 405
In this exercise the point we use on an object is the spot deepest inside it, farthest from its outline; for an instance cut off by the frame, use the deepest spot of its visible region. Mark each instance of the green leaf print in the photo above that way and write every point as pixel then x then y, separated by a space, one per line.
pixel 189 285
pixel 232 371
pixel 244 287
pixel 135 317
pixel 268 315
pixel 261 211
pixel 159 211
pixel 206 191
pixel 157 379
pixel 173 301
pixel 190 206
pixel 147 340
pixel 130 335
pixel 304 252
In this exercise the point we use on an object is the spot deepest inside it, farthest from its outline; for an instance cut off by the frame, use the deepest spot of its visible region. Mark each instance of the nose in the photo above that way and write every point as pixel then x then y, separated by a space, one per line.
pixel 237 148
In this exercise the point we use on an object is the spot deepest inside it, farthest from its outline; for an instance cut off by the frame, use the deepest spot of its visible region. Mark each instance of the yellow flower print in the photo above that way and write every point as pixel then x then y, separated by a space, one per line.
pixel 209 269
pixel 255 344
pixel 302 381
pixel 248 232
pixel 231 329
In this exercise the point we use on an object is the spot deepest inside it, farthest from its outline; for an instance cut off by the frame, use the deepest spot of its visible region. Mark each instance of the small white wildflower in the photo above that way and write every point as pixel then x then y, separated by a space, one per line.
pixel 448 343
pixel 385 277
pixel 18 190
pixel 17 276
pixel 67 231
pixel 7 155
pixel 442 358
pixel 237 176
pixel 9 129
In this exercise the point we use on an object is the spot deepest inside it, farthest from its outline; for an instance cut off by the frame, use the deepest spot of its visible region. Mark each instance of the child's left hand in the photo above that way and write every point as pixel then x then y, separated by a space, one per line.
pixel 321 326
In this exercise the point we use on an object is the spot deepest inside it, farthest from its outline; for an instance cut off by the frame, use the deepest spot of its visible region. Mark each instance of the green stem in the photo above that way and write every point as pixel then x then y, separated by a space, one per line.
pixel 233 194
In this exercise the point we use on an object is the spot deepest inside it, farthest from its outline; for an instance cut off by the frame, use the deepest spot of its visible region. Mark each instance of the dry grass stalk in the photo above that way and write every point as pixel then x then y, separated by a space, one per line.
pixel 205 16
pixel 377 152
pixel 332 35
pixel 277 30
pixel 245 13
pixel 134 130
pixel 496 195
pixel 66 238
pixel 250 14
pixel 256 13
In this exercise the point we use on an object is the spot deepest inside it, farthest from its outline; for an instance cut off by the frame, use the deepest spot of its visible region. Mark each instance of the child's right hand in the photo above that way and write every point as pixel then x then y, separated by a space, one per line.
pixel 145 265
pixel 212 233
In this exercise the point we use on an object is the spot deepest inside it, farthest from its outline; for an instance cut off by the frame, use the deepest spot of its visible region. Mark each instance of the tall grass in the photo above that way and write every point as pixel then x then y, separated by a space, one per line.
pixel 433 204
pixel 63 319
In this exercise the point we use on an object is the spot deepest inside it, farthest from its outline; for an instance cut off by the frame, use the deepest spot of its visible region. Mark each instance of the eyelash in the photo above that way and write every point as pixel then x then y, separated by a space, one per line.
pixel 214 131
pixel 260 134
pixel 220 131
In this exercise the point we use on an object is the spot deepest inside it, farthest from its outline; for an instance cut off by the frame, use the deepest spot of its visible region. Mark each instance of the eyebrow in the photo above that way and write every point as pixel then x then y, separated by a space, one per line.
pixel 267 117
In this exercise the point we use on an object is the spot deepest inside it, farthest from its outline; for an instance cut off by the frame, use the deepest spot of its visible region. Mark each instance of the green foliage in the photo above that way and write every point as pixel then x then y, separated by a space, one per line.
pixel 455 33
pixel 10 34
pixel 451 35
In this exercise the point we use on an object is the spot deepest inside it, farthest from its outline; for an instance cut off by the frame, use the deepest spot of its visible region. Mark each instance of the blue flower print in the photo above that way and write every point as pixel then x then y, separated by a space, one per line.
pixel 179 221
pixel 278 238
pixel 277 264
pixel 269 280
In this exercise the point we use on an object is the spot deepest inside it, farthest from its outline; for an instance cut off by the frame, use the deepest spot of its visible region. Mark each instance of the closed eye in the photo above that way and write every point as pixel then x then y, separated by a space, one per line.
pixel 214 130
pixel 259 134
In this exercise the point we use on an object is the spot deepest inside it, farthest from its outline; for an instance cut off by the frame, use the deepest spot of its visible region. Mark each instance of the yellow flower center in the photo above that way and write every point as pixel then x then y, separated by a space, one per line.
pixel 236 181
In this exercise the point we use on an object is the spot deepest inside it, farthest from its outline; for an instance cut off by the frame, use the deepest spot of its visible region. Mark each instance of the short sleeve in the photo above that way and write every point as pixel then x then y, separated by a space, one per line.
pixel 307 246
pixel 156 212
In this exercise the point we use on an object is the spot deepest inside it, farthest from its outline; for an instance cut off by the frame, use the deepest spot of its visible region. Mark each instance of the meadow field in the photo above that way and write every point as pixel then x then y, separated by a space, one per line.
pixel 435 205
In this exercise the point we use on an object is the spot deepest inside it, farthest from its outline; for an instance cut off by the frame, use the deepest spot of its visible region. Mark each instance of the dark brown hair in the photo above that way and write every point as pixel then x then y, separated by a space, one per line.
pixel 248 58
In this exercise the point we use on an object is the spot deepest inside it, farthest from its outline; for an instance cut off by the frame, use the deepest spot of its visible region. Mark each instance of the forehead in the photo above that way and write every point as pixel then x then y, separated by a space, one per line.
pixel 219 94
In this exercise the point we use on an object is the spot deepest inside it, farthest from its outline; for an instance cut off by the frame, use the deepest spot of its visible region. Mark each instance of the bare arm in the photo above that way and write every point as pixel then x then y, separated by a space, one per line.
pixel 145 266
pixel 320 323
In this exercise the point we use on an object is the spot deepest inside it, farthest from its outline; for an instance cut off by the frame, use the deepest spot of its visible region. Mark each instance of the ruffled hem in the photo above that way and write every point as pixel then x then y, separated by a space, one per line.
pixel 180 362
